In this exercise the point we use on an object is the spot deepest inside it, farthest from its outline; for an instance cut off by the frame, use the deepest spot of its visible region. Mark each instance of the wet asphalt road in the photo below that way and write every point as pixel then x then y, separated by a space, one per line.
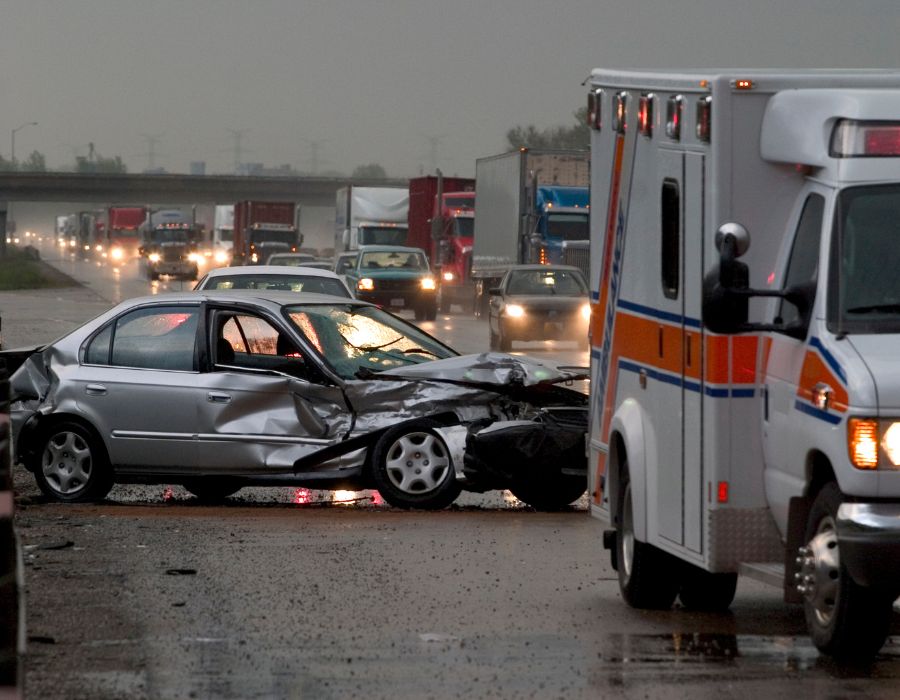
pixel 287 593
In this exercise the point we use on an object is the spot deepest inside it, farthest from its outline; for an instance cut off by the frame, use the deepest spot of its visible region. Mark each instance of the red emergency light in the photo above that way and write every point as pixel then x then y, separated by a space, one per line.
pixel 865 139
pixel 645 115
pixel 674 108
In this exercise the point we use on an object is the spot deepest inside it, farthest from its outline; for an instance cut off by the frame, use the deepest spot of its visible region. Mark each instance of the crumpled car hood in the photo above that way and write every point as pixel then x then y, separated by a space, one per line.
pixel 491 369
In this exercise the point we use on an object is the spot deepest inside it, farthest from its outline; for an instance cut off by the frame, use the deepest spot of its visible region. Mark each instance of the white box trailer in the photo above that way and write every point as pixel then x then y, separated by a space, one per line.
pixel 746 412
pixel 370 216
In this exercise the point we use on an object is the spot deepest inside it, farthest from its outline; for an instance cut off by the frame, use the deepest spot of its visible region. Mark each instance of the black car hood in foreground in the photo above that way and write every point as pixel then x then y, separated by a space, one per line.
pixel 491 370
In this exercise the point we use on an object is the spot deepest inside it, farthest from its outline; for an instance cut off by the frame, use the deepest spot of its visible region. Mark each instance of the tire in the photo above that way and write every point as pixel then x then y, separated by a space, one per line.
pixel 431 312
pixel 504 342
pixel 71 464
pixel 444 304
pixel 152 276
pixel 212 489
pixel 845 620
pixel 648 577
pixel 705 591
pixel 493 339
pixel 411 467
pixel 420 313
pixel 550 494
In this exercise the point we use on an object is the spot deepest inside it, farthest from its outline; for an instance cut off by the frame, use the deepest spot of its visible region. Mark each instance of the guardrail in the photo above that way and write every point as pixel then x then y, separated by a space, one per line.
pixel 12 623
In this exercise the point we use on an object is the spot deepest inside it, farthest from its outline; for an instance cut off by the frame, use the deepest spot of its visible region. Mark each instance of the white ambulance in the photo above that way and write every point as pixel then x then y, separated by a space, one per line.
pixel 745 362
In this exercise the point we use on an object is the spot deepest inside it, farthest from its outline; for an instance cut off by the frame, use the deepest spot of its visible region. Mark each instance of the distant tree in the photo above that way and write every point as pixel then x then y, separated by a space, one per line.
pixel 576 136
pixel 371 171
pixel 100 165
pixel 6 165
pixel 34 163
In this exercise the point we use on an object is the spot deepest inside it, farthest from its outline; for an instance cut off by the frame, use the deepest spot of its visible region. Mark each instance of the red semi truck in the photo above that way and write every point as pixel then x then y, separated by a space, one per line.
pixel 441 221
pixel 262 229
pixel 122 232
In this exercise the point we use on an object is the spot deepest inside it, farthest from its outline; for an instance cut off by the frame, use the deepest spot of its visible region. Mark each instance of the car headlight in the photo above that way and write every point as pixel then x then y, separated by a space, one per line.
pixel 154 257
pixel 366 284
pixel 194 257
pixel 448 277
pixel 427 283
pixel 117 253
pixel 220 256
pixel 586 312
pixel 872 442
pixel 514 311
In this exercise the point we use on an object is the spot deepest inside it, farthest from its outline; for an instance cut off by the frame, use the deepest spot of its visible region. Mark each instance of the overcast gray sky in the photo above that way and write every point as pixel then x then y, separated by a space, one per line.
pixel 371 80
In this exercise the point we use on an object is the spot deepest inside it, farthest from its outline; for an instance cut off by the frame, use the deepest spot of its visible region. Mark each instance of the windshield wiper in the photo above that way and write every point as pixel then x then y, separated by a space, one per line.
pixel 875 308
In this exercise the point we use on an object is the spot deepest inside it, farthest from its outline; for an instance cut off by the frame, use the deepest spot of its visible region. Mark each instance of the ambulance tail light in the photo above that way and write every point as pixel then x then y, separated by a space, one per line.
pixel 645 115
pixel 594 109
pixel 865 139
pixel 704 118
pixel 722 492
pixel 674 109
pixel 862 442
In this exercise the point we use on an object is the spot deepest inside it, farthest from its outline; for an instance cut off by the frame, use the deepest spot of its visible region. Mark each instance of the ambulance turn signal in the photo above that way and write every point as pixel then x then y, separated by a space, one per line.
pixel 862 439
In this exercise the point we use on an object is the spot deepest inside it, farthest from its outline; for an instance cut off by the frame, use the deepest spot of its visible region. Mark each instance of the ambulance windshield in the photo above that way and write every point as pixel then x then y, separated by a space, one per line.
pixel 867 248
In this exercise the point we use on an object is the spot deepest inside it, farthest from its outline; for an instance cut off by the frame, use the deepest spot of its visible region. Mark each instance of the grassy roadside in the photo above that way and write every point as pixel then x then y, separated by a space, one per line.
pixel 19 270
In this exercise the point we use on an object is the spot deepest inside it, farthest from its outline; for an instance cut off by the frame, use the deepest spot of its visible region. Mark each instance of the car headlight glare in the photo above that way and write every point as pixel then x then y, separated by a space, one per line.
pixel 427 283
pixel 366 284
pixel 586 312
pixel 448 276
pixel 891 443
pixel 194 257
pixel 117 253
pixel 154 257
pixel 220 256
pixel 514 311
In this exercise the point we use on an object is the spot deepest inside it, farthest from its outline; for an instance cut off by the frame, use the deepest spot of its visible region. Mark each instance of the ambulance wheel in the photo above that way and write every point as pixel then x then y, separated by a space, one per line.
pixel 648 577
pixel 411 467
pixel 702 590
pixel 550 494
pixel 844 619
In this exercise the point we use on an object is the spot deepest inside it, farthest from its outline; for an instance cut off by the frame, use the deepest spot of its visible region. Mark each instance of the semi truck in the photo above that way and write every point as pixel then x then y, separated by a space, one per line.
pixel 263 228
pixel 169 245
pixel 370 216
pixel 745 399
pixel 532 207
pixel 441 222
pixel 223 234
pixel 123 232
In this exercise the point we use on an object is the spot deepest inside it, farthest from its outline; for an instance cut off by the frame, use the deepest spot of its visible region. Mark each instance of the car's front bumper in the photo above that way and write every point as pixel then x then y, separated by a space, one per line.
pixel 398 298
pixel 869 538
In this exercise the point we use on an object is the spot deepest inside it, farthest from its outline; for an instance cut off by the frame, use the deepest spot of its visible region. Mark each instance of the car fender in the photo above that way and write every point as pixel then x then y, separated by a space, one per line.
pixel 629 424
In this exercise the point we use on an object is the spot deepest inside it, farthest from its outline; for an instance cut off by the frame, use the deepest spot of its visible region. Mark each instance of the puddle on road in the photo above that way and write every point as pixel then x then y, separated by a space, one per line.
pixel 742 653
pixel 309 498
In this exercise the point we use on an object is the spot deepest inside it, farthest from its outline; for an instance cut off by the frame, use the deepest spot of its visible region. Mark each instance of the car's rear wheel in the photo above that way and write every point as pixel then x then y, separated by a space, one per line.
pixel 71 464
pixel 212 489
pixel 411 467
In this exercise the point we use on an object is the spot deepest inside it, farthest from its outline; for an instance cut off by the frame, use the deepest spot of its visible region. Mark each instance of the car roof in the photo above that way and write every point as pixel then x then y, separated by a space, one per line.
pixel 262 297
pixel 299 256
pixel 283 270
pixel 389 249
pixel 548 268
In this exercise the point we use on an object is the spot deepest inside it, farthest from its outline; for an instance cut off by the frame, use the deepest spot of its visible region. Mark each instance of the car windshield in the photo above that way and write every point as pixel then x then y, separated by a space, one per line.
pixel 393 259
pixel 290 260
pixel 382 235
pixel 569 227
pixel 286 283
pixel 546 283
pixel 169 235
pixel 867 247
pixel 226 234
pixel 264 236
pixel 356 340
pixel 464 226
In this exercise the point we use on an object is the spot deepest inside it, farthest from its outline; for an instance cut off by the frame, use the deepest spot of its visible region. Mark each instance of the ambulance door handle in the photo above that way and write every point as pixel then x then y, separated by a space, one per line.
pixel 642 378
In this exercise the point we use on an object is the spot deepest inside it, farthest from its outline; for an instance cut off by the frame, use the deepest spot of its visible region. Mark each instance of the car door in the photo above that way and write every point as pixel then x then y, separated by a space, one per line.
pixel 136 385
pixel 264 403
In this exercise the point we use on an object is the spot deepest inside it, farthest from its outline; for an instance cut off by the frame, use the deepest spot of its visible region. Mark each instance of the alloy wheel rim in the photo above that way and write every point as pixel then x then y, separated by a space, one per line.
pixel 67 463
pixel 417 463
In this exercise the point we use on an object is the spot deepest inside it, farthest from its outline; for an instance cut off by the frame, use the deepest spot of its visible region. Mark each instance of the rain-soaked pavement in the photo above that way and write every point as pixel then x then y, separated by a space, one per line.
pixel 296 593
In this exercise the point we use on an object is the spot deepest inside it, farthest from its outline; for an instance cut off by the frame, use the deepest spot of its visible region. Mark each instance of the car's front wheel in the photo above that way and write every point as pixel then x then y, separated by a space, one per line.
pixel 71 464
pixel 411 467
pixel 550 493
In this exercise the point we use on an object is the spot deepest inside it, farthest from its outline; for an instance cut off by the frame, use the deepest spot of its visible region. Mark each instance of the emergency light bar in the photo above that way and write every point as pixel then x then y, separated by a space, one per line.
pixel 594 110
pixel 620 111
pixel 704 118
pixel 645 115
pixel 865 139
pixel 674 108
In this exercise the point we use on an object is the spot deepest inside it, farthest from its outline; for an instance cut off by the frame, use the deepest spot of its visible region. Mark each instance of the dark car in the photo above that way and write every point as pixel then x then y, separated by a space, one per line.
pixel 536 302
pixel 220 390
pixel 395 278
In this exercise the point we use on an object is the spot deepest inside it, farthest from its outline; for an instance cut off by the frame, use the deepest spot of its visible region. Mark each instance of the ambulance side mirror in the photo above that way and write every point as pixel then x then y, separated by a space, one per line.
pixel 726 286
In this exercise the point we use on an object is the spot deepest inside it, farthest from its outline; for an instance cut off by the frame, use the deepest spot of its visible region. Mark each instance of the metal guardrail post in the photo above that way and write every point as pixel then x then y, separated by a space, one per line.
pixel 11 589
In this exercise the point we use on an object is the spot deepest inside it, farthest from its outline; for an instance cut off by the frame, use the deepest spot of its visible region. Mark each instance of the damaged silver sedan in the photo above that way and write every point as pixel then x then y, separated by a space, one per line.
pixel 217 391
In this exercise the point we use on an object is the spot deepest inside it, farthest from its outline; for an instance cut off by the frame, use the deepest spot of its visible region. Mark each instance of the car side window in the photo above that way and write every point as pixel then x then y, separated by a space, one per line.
pixel 803 265
pixel 244 340
pixel 155 338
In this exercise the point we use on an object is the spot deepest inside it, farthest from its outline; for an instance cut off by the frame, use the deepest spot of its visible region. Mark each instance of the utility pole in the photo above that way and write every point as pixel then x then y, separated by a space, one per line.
pixel 433 142
pixel 237 135
pixel 314 145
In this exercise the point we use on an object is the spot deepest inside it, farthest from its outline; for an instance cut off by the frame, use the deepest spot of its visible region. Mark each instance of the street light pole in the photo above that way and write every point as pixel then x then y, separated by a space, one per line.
pixel 12 144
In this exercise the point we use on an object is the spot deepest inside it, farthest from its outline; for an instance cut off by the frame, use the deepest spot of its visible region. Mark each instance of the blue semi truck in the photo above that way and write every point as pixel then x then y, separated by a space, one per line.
pixel 532 207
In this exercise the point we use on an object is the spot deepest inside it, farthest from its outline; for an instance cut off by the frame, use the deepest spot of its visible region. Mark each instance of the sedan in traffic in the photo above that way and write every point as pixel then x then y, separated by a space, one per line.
pixel 221 390
pixel 275 278
pixel 538 302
